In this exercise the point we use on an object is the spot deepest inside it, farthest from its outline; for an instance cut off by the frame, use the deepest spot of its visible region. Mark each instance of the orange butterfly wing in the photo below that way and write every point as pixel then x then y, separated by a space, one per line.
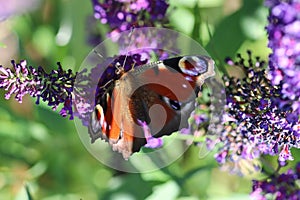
pixel 144 94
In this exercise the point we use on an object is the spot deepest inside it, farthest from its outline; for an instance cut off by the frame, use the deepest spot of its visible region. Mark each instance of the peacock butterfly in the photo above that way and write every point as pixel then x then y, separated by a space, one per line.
pixel 159 95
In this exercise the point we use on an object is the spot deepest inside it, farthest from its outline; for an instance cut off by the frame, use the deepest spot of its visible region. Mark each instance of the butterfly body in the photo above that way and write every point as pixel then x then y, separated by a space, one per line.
pixel 161 94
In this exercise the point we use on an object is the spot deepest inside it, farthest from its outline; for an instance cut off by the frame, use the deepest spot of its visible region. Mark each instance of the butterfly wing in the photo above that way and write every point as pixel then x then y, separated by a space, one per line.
pixel 113 119
pixel 176 82
pixel 162 94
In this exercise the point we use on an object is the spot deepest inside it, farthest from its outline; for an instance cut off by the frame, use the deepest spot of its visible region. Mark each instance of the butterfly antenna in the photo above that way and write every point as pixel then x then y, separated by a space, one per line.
pixel 131 31
pixel 106 84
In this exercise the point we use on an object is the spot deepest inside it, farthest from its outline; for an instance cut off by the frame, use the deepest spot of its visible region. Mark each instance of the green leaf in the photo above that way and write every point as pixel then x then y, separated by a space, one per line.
pixel 2 45
pixel 231 33
pixel 167 191
pixel 182 19
pixel 44 40
pixel 38 169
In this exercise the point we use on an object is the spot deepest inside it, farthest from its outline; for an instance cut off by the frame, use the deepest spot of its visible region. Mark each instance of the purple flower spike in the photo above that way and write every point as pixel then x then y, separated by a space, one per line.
pixel 278 186
pixel 19 81
pixel 258 121
pixel 54 88
pixel 154 143
pixel 123 15
pixel 284 40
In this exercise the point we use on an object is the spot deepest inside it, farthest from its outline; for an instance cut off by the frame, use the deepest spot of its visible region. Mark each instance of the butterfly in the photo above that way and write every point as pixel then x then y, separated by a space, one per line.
pixel 159 95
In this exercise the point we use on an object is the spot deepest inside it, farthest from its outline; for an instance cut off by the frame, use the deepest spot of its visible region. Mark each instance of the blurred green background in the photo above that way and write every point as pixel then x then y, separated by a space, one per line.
pixel 41 151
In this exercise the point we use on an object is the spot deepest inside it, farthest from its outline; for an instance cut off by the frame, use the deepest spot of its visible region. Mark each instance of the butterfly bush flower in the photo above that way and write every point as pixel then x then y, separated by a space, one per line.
pixel 254 124
pixel 122 15
pixel 278 186
pixel 19 81
pixel 284 40
pixel 152 142
pixel 54 88
pixel 126 15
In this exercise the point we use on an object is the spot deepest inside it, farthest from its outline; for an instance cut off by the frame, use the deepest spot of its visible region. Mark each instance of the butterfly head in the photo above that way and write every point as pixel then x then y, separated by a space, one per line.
pixel 119 69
